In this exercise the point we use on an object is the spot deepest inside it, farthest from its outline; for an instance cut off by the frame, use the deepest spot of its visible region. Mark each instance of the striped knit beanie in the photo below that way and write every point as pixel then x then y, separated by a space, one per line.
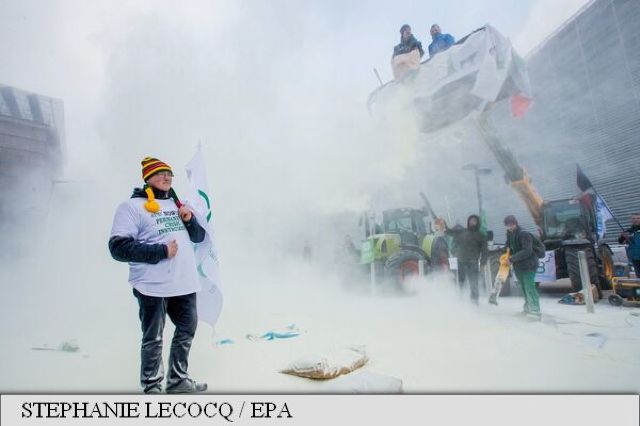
pixel 151 166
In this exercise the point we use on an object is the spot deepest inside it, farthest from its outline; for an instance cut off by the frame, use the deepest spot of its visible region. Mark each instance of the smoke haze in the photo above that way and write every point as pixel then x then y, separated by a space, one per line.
pixel 276 94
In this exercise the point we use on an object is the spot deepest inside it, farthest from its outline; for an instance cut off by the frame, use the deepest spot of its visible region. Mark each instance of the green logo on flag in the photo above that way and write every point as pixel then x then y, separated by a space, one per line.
pixel 206 199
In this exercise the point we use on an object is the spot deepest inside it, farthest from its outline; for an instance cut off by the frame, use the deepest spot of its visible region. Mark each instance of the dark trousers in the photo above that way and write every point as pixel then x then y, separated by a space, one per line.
pixel 153 312
pixel 468 271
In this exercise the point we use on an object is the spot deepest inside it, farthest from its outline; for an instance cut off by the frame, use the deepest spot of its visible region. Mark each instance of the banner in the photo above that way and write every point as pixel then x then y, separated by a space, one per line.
pixel 546 271
pixel 603 213
pixel 199 200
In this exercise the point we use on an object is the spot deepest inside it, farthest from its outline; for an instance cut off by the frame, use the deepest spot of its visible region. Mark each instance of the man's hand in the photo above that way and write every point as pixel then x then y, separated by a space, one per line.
pixel 172 249
pixel 625 236
pixel 185 214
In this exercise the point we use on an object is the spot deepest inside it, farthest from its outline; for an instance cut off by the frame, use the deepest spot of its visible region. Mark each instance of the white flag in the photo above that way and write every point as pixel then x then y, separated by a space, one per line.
pixel 199 200
pixel 602 215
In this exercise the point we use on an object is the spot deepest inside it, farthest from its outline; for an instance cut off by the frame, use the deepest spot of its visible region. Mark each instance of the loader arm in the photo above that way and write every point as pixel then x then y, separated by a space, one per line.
pixel 515 174
pixel 529 195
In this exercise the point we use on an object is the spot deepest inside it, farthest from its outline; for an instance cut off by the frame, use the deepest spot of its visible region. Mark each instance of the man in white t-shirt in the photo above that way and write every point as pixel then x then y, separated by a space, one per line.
pixel 154 232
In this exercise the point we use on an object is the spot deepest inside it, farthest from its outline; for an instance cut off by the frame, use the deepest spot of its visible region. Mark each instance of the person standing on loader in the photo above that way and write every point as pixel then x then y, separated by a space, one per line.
pixel 525 263
pixel 471 247
pixel 441 42
pixel 406 55
pixel 408 42
pixel 631 237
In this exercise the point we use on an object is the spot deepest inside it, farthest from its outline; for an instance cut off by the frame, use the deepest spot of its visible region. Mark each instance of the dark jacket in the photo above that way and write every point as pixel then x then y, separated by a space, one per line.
pixel 126 249
pixel 440 252
pixel 470 243
pixel 408 46
pixel 633 248
pixel 520 243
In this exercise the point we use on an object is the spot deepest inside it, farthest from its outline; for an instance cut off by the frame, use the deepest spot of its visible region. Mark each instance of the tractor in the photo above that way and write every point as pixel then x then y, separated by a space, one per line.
pixel 400 247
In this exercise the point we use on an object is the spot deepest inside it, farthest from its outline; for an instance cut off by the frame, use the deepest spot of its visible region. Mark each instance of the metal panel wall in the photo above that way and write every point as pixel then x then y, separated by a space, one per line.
pixel 586 84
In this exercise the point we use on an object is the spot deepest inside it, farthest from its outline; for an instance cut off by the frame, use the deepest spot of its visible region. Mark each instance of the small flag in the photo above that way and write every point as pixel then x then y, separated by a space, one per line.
pixel 582 180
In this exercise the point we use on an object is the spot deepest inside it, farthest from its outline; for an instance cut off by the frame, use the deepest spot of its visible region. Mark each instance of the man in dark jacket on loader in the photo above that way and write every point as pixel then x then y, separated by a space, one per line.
pixel 525 263
pixel 407 54
pixel 408 42
pixel 471 247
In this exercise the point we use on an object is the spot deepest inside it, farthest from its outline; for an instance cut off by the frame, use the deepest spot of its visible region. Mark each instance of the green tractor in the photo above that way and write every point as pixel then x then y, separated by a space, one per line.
pixel 399 245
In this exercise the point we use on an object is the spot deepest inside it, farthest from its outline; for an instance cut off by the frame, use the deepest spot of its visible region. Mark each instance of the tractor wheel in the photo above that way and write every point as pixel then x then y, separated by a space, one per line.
pixel 573 266
pixel 414 248
pixel 403 265
pixel 606 259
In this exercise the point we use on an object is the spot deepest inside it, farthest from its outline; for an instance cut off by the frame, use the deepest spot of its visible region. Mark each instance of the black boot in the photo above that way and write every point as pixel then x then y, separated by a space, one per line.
pixel 187 386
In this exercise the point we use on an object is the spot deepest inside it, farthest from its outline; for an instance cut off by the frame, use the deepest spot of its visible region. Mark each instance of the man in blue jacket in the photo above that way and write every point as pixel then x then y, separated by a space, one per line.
pixel 153 232
pixel 631 237
pixel 441 42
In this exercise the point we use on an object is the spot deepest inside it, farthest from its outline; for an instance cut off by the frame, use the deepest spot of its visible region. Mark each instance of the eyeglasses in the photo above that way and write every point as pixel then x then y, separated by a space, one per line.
pixel 165 174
